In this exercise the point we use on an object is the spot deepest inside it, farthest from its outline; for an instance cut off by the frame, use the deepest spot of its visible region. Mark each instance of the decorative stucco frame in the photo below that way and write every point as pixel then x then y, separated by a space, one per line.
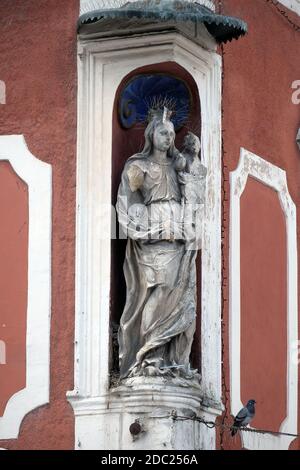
pixel 275 178
pixel 103 64
pixel 38 177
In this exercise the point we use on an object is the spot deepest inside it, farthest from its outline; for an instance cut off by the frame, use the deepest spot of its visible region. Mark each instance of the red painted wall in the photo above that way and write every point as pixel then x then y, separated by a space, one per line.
pixel 263 304
pixel 38 64
pixel 258 114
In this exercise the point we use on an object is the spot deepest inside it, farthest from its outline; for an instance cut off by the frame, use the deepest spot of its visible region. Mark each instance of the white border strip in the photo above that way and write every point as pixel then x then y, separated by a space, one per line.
pixel 275 178
pixel 37 175
pixel 293 5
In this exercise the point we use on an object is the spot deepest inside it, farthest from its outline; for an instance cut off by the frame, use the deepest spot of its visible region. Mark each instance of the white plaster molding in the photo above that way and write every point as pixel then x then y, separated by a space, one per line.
pixel 37 175
pixel 90 5
pixel 293 5
pixel 275 178
pixel 102 66
pixel 153 405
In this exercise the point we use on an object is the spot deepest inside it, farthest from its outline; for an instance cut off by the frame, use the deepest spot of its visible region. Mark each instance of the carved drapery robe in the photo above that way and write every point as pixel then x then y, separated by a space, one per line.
pixel 158 322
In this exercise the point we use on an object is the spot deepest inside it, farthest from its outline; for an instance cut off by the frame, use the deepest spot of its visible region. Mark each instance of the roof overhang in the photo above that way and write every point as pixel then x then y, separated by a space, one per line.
pixel 160 13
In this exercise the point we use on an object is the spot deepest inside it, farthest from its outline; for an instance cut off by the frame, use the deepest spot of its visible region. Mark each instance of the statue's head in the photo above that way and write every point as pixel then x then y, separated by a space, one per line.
pixel 192 144
pixel 163 136
pixel 160 132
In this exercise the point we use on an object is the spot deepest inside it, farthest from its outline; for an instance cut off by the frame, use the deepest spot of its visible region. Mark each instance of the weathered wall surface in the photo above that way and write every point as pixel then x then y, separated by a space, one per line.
pixel 38 65
pixel 258 114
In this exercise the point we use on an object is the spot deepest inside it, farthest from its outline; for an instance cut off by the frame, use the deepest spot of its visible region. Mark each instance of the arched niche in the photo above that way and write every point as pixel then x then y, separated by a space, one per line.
pixel 100 411
pixel 126 142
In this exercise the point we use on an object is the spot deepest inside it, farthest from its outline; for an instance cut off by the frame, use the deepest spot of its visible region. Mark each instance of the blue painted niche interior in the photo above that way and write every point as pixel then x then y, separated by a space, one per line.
pixel 146 91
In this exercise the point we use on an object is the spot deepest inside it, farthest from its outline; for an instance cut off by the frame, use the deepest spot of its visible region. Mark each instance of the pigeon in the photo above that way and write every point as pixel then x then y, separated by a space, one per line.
pixel 244 417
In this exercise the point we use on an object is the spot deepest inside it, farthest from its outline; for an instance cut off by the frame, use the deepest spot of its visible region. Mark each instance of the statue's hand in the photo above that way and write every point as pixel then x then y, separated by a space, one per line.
pixel 180 162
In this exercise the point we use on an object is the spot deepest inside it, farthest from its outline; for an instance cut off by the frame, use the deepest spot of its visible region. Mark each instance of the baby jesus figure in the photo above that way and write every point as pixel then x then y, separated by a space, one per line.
pixel 192 180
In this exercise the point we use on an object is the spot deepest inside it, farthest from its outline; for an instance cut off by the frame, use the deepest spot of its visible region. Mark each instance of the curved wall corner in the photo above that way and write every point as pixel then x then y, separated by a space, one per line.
pixel 34 178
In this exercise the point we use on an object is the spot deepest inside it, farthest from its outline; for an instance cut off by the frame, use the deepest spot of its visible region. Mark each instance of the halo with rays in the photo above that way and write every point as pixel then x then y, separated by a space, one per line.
pixel 153 92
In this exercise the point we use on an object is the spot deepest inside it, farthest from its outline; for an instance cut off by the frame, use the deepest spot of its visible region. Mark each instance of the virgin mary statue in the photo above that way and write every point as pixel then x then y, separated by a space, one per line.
pixel 158 323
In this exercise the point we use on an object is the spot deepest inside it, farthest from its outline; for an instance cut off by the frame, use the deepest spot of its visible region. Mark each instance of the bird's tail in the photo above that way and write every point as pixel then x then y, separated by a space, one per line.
pixel 234 430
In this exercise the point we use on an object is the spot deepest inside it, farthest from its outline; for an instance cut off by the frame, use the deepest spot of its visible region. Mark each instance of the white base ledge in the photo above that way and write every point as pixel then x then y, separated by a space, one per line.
pixel 103 422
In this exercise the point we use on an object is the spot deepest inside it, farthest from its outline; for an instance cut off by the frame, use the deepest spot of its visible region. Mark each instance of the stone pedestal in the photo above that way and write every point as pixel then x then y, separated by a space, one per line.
pixel 162 414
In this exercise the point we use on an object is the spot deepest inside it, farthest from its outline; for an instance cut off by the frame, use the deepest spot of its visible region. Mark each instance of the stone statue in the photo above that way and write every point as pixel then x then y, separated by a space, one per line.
pixel 193 184
pixel 158 322
pixel 193 178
